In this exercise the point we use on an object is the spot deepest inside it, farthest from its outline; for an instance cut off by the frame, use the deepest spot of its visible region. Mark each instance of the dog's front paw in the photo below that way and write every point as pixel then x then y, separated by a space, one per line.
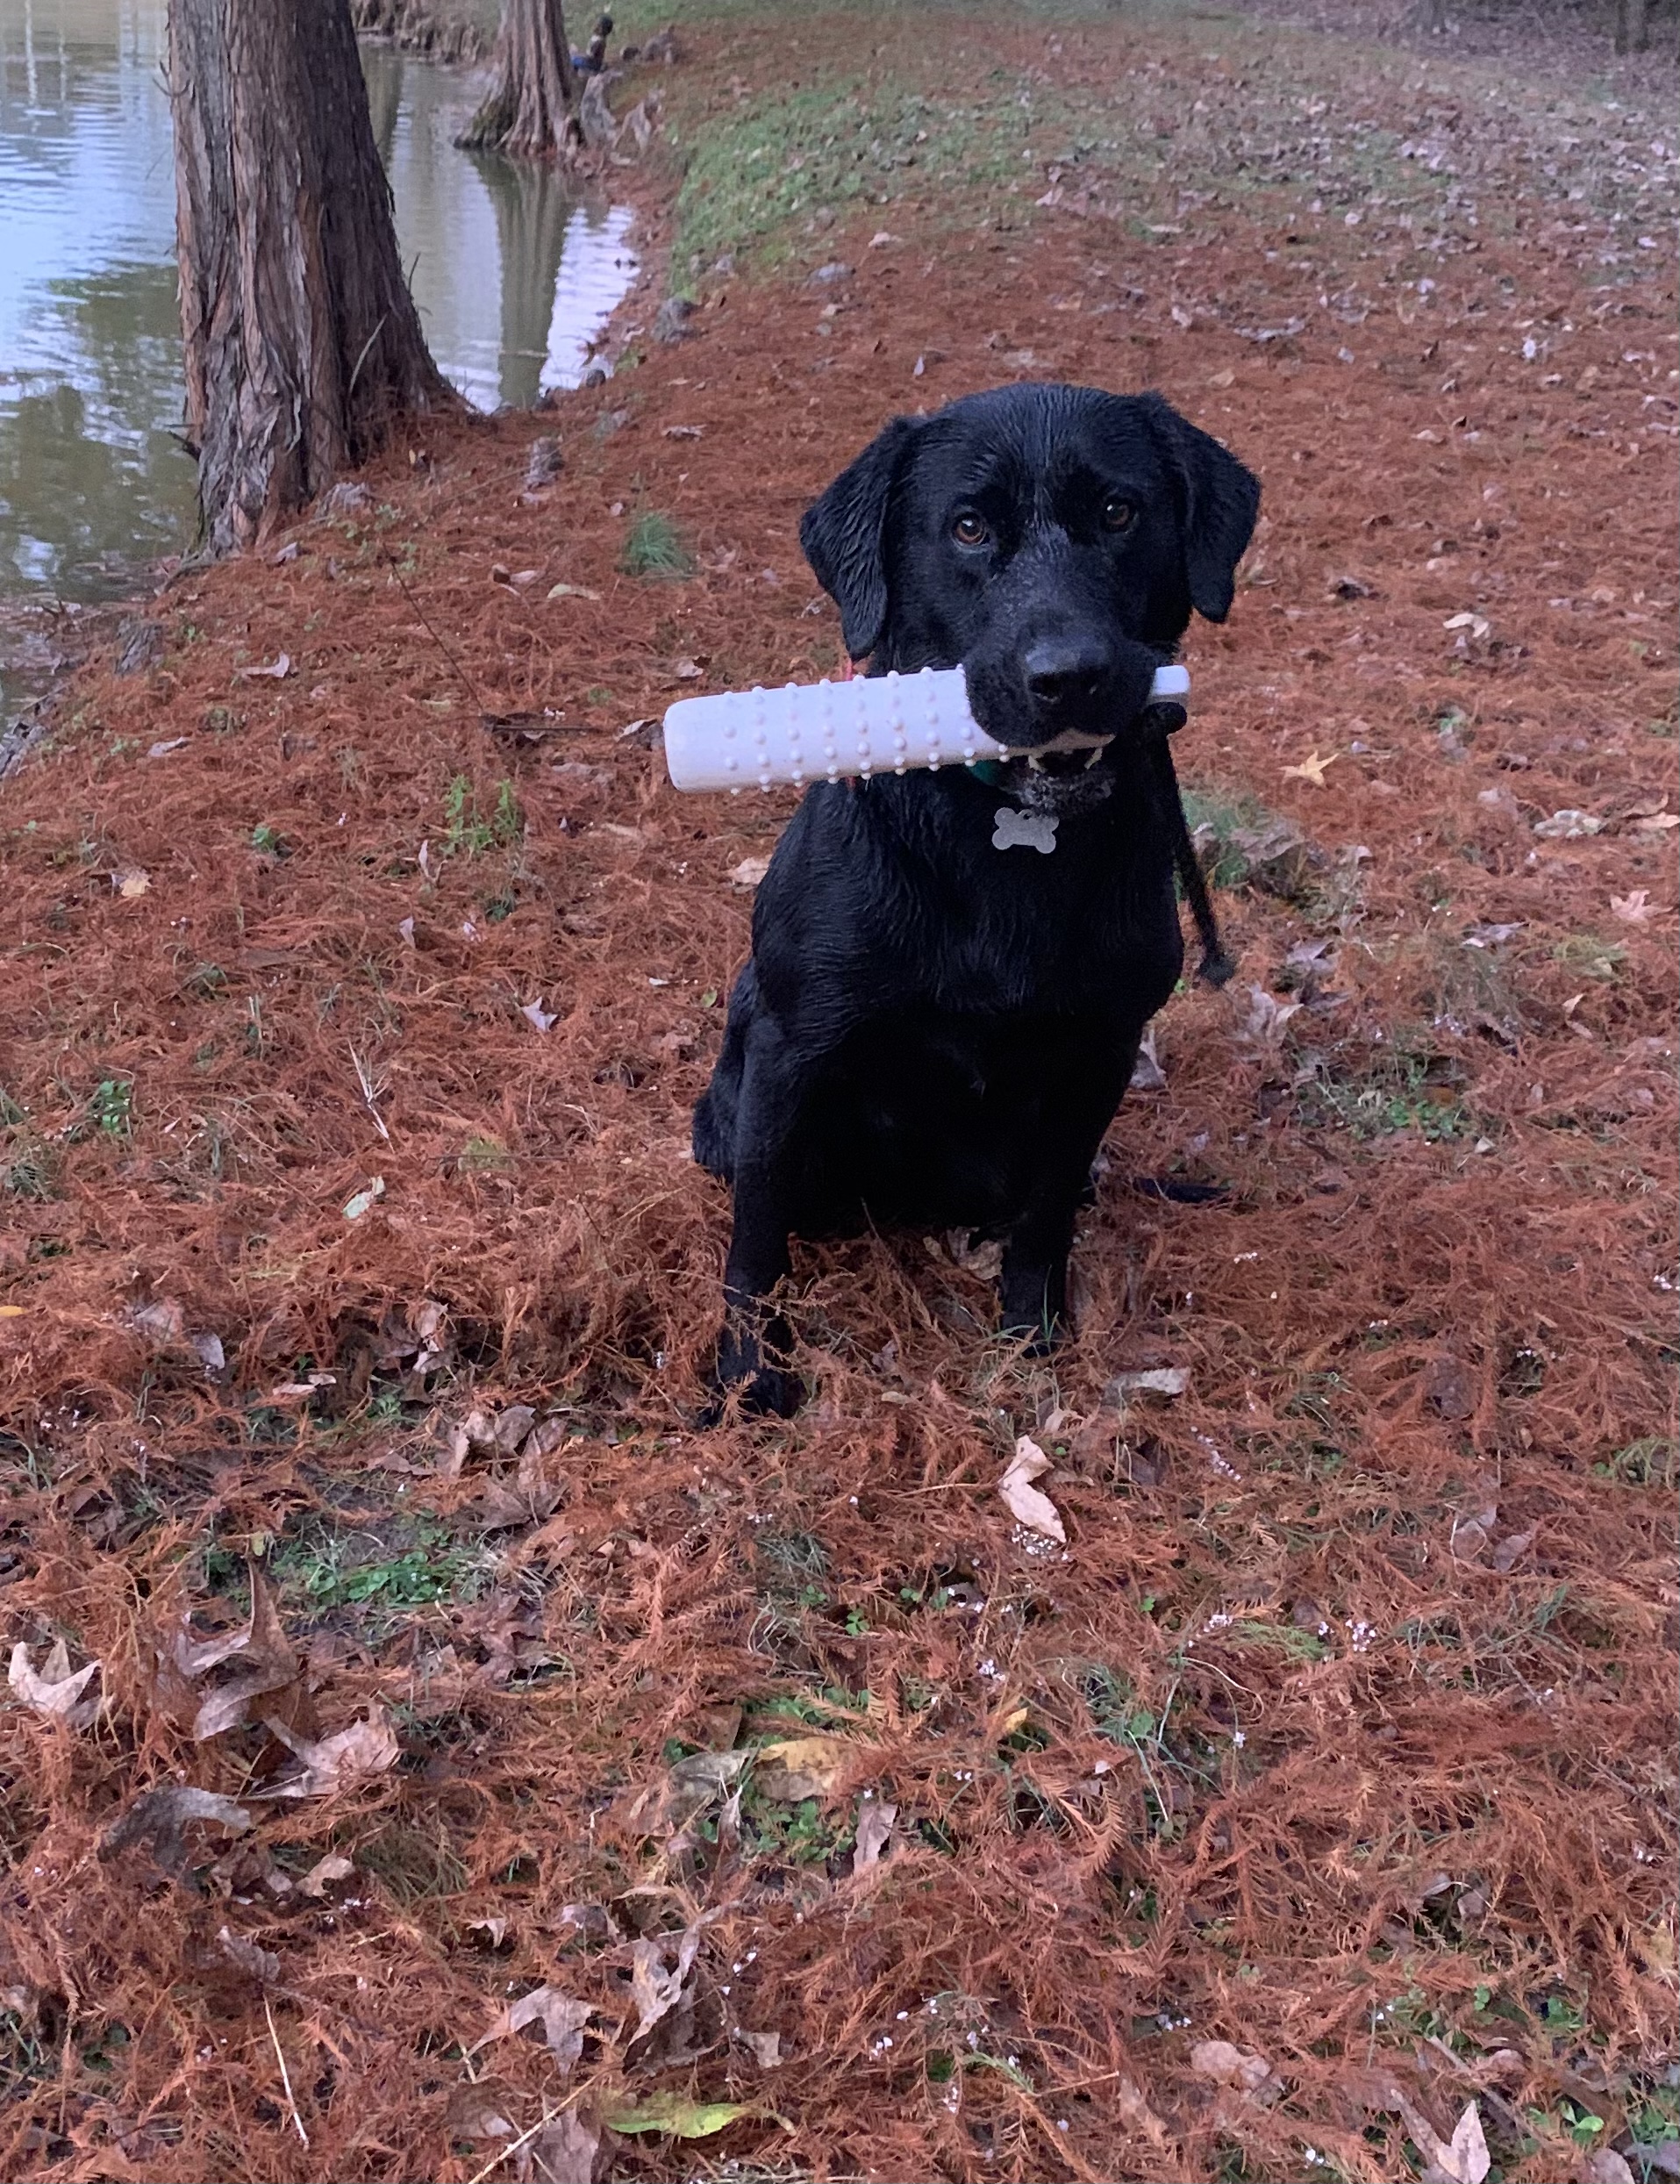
pixel 763 1387
pixel 1037 1326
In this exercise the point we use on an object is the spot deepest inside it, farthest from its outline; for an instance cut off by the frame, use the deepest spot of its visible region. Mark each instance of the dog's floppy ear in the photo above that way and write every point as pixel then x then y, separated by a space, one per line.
pixel 844 536
pixel 1220 501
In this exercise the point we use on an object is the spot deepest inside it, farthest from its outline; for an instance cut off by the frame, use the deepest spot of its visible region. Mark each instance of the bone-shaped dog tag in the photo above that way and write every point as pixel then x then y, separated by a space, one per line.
pixel 1024 830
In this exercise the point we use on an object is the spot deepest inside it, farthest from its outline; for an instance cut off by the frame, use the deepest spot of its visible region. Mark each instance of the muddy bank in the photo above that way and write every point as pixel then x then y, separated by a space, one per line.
pixel 434 34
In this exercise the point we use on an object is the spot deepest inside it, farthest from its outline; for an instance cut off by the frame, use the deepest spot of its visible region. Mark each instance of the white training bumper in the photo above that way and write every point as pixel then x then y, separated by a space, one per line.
pixel 832 730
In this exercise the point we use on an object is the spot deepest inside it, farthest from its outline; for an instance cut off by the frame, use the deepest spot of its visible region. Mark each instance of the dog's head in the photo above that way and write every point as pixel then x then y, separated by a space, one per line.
pixel 1050 541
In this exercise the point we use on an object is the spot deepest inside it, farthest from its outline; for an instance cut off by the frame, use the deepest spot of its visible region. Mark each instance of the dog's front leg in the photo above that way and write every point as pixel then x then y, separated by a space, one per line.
pixel 754 1349
pixel 1034 1281
pixel 1033 1284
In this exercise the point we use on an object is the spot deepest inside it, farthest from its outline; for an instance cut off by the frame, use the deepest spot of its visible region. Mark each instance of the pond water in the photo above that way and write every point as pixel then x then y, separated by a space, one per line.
pixel 514 274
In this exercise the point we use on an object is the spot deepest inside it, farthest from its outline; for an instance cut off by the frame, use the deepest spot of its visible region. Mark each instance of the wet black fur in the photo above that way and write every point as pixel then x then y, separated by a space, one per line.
pixel 932 1033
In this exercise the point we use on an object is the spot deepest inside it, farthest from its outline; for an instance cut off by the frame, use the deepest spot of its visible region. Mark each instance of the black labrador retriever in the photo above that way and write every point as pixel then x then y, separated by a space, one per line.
pixel 951 972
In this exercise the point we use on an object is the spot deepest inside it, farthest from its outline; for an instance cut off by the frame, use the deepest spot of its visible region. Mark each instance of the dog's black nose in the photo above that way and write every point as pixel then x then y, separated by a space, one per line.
pixel 1064 672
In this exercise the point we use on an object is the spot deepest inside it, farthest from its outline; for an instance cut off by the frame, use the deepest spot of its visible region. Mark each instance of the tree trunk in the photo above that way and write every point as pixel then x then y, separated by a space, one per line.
pixel 1631 35
pixel 303 344
pixel 528 113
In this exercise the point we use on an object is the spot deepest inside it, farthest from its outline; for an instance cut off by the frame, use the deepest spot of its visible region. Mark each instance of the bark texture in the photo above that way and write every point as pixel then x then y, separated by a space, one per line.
pixel 528 115
pixel 303 344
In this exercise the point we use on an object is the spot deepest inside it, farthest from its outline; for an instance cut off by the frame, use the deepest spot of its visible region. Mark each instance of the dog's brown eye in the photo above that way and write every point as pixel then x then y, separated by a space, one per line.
pixel 1117 515
pixel 969 529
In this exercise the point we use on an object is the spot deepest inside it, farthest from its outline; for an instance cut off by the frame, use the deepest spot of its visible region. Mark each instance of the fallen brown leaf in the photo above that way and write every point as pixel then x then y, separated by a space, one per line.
pixel 875 1821
pixel 1025 1502
pixel 323 1873
pixel 1167 1380
pixel 561 2018
pixel 1264 1017
pixel 1241 2068
pixel 749 871
pixel 1511 1549
pixel 1135 2110
pixel 335 1763
pixel 688 1788
pixel 796 1767
pixel 1464 2158
pixel 1450 1387
pixel 257 1963
pixel 656 1985
pixel 264 1659
pixel 160 1817
pixel 55 1691
pixel 564 2151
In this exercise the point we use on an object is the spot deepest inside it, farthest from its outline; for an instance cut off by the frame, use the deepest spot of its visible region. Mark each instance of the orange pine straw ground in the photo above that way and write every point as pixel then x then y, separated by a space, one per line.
pixel 350 1026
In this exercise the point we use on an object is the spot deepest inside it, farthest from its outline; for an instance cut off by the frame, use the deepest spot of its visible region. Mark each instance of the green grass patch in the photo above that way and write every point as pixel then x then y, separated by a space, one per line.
pixel 30 1174
pixel 391 1565
pixel 787 1713
pixel 1396 1090
pixel 1240 843
pixel 28 1164
pixel 472 831
pixel 111 1106
pixel 1588 956
pixel 1300 1646
pixel 1654 1461
pixel 1114 1708
pixel 831 148
pixel 801 1834
pixel 653 548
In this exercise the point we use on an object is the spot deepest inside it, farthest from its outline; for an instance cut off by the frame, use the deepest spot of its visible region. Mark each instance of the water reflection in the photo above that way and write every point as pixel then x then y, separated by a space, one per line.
pixel 91 482
pixel 512 274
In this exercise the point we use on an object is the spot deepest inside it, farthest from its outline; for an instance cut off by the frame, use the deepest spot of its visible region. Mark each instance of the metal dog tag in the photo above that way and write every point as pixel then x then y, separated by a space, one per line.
pixel 1024 830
